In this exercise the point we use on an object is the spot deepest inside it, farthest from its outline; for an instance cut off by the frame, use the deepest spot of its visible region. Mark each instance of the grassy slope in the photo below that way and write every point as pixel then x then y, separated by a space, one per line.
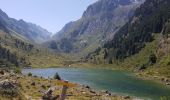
pixel 38 56
pixel 143 56
pixel 45 58
pixel 161 68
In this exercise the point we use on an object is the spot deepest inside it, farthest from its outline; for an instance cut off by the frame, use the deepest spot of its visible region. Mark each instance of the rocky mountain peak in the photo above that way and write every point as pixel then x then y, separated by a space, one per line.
pixel 98 24
pixel 104 6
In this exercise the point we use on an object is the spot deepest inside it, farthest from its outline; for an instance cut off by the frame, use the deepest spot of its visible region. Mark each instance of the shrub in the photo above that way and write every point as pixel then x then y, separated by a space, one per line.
pixel 56 76
pixel 110 61
pixel 17 71
pixel 29 74
pixel 152 59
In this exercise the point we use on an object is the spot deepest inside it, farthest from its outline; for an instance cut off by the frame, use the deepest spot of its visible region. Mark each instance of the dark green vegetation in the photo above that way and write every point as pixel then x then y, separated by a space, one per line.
pixel 114 32
pixel 142 43
pixel 7 56
pixel 97 25
pixel 149 18
pixel 56 76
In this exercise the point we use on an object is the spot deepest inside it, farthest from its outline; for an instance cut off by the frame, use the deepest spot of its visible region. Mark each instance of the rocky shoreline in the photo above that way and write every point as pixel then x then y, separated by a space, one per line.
pixel 160 79
pixel 28 87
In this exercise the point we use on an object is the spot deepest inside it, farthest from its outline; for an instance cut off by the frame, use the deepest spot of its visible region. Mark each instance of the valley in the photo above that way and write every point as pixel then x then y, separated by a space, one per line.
pixel 125 43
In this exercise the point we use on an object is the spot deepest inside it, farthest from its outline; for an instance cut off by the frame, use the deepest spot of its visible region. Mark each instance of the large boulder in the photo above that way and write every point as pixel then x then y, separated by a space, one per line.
pixel 48 95
pixel 9 88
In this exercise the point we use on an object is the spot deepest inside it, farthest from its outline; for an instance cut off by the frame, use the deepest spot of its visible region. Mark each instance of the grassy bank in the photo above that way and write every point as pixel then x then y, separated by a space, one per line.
pixel 33 88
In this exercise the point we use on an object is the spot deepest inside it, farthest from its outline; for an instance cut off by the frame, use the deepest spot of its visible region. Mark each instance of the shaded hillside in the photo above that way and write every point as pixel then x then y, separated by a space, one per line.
pixel 26 54
pixel 131 38
pixel 143 43
pixel 98 24
pixel 18 45
pixel 27 30
pixel 9 58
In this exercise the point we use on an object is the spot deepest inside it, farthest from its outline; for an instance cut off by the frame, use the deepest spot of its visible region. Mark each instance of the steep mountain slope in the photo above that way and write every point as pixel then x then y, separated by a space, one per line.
pixel 149 18
pixel 99 23
pixel 9 58
pixel 24 29
pixel 143 43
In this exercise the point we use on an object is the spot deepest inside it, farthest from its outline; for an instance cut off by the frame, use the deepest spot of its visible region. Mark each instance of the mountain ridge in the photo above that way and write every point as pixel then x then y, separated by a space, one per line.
pixel 28 30
pixel 92 30
pixel 142 44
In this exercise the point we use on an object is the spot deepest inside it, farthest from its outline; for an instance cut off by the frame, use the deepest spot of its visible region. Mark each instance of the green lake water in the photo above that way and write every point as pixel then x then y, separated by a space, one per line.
pixel 119 82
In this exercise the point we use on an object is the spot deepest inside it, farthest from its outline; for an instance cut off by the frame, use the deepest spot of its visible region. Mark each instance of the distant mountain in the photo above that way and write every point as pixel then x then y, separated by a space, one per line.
pixel 20 45
pixel 98 24
pixel 27 30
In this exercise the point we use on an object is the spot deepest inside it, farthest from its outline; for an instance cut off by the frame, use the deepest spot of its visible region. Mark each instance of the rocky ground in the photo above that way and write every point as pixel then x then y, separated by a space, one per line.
pixel 28 87
pixel 160 79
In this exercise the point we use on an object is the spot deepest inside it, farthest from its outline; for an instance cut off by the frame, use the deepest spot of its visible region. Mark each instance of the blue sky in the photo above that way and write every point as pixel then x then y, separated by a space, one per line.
pixel 50 14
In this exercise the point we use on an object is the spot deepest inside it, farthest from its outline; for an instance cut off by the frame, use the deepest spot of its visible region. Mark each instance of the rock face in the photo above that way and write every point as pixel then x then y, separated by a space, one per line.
pixel 8 88
pixel 98 24
pixel 6 85
pixel 23 29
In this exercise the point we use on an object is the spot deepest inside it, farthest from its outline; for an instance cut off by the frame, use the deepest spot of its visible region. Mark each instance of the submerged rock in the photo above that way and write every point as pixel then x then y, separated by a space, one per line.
pixel 127 97
pixel 92 92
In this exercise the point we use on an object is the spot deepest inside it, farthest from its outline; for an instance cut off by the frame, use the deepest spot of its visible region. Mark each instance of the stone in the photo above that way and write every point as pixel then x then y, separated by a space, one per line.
pixel 167 83
pixel 6 84
pixel 27 87
pixel 127 97
pixel 48 86
pixel 2 72
pixel 92 92
pixel 43 86
pixel 88 87
pixel 162 79
pixel 35 76
pixel 33 83
pixel 166 80
pixel 8 88
pixel 48 95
